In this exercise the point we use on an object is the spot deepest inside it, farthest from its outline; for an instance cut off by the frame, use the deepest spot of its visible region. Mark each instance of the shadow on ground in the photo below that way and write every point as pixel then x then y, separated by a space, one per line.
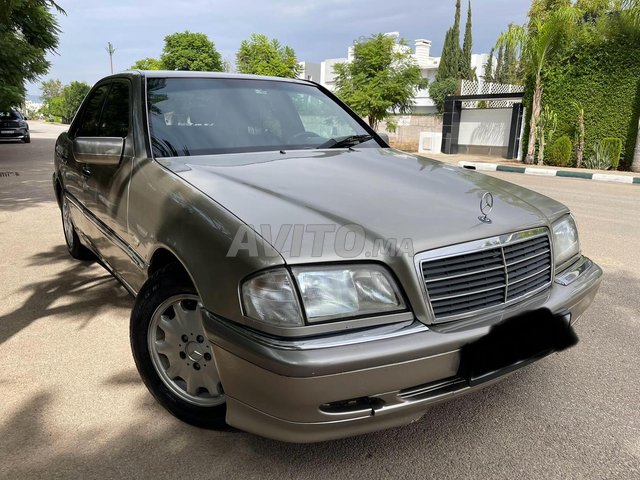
pixel 32 185
pixel 81 290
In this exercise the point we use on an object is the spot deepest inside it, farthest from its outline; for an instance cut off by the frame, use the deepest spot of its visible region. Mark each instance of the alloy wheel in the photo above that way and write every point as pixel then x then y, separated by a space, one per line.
pixel 67 225
pixel 181 353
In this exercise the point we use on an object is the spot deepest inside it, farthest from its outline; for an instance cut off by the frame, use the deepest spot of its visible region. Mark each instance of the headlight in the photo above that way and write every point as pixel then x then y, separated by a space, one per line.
pixel 328 293
pixel 566 244
pixel 342 291
pixel 270 297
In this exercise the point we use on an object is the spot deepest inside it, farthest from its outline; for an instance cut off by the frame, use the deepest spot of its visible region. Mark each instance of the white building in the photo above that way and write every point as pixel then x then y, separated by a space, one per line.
pixel 310 71
pixel 421 52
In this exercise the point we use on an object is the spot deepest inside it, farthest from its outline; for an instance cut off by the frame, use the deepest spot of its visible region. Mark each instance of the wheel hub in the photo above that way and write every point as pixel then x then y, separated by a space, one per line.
pixel 195 351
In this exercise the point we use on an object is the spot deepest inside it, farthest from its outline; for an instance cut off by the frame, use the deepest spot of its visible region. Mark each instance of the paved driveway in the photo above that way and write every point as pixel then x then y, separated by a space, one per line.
pixel 72 405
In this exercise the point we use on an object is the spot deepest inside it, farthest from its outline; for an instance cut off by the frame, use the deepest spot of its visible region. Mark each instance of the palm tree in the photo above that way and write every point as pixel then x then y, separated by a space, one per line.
pixel 535 46
pixel 635 164
pixel 632 10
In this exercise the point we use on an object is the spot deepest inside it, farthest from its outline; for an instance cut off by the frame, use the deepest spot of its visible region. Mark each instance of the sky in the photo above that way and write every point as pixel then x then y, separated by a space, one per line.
pixel 316 29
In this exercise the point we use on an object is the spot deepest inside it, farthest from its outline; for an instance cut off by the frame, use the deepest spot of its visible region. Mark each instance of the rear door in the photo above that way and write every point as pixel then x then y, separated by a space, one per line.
pixel 72 171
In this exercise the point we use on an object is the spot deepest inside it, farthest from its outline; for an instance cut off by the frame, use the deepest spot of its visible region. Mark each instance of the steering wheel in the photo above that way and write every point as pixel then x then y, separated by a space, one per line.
pixel 301 136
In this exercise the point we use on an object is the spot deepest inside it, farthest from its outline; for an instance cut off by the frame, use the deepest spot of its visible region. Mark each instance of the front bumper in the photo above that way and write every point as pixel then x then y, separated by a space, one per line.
pixel 13 133
pixel 326 389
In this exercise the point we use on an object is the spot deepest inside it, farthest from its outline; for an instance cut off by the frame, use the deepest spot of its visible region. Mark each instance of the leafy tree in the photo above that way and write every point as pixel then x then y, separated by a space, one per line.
pixel 536 49
pixel 261 56
pixel 440 90
pixel 466 71
pixel 50 89
pixel 382 77
pixel 28 31
pixel 147 64
pixel 65 104
pixel 592 9
pixel 72 96
pixel 190 51
pixel 51 94
pixel 541 8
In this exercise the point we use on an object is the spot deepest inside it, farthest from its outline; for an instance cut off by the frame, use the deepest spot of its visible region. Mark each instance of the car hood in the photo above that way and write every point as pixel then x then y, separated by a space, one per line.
pixel 378 194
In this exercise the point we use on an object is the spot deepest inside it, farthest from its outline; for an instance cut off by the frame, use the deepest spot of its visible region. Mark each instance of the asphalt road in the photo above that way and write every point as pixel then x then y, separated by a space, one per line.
pixel 72 405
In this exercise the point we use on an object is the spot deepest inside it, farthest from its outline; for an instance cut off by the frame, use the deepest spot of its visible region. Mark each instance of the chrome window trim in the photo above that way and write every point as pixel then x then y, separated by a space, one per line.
pixel 475 246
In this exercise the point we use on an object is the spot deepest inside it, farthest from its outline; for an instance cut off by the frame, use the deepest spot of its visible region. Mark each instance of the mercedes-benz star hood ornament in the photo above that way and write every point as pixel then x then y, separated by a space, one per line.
pixel 486 205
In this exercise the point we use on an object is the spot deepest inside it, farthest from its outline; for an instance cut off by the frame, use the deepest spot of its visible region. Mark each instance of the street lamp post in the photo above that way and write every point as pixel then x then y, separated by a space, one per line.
pixel 110 50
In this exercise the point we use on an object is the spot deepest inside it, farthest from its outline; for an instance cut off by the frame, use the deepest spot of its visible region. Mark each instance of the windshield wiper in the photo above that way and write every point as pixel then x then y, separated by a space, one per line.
pixel 348 141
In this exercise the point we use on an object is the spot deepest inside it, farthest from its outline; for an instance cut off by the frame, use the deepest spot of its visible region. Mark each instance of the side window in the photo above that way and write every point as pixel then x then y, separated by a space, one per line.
pixel 90 123
pixel 115 114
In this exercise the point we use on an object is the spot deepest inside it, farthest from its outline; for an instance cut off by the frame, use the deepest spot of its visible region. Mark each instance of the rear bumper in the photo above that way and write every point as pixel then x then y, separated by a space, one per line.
pixel 306 392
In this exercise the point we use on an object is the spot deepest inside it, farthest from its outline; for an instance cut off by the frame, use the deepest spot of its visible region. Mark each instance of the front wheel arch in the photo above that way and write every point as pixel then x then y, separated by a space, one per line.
pixel 162 257
pixel 58 191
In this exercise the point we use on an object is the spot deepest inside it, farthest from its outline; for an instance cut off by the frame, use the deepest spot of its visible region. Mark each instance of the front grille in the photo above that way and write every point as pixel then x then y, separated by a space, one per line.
pixel 9 124
pixel 462 283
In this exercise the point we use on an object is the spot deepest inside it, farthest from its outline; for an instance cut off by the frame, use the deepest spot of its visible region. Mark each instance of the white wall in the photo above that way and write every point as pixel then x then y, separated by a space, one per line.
pixel 485 127
pixel 310 71
pixel 327 74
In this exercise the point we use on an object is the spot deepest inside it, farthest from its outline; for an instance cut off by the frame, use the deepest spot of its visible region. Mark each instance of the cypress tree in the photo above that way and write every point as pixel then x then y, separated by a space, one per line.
pixel 449 61
pixel 488 68
pixel 466 71
pixel 456 23
pixel 451 53
pixel 498 76
pixel 510 65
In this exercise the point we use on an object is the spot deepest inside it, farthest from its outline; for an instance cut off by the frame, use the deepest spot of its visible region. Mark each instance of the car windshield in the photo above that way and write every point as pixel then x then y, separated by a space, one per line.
pixel 10 115
pixel 200 116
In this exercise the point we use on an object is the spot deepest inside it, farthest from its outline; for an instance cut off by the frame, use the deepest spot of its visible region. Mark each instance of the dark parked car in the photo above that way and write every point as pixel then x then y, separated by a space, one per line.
pixel 294 276
pixel 13 126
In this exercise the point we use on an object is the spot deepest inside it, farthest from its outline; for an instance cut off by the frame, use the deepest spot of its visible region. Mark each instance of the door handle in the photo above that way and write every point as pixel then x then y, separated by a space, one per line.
pixel 86 172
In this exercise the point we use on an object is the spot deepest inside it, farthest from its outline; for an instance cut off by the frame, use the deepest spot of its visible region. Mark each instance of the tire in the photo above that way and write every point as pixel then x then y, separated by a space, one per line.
pixel 74 246
pixel 181 375
pixel 27 139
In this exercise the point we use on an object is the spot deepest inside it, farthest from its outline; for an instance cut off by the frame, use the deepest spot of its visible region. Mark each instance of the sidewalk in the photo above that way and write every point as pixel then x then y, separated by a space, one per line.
pixel 493 164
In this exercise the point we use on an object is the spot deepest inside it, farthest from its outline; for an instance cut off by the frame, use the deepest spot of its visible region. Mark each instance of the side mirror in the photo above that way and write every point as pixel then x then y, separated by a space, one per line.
pixel 384 136
pixel 98 150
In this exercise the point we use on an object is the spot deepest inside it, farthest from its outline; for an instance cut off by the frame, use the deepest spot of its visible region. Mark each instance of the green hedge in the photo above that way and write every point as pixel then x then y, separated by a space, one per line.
pixel 560 152
pixel 604 78
pixel 613 147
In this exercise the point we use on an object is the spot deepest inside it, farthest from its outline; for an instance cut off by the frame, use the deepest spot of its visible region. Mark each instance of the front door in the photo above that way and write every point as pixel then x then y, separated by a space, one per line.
pixel 107 186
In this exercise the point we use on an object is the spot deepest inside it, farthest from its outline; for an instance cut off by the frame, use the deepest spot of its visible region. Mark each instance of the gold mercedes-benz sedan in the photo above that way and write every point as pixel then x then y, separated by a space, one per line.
pixel 295 276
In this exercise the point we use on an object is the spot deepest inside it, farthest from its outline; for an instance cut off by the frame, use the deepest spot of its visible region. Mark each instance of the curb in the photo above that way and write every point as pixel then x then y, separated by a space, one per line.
pixel 550 172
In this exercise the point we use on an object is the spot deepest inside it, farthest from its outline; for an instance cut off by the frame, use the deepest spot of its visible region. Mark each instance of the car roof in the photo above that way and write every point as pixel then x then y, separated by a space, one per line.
pixel 187 74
